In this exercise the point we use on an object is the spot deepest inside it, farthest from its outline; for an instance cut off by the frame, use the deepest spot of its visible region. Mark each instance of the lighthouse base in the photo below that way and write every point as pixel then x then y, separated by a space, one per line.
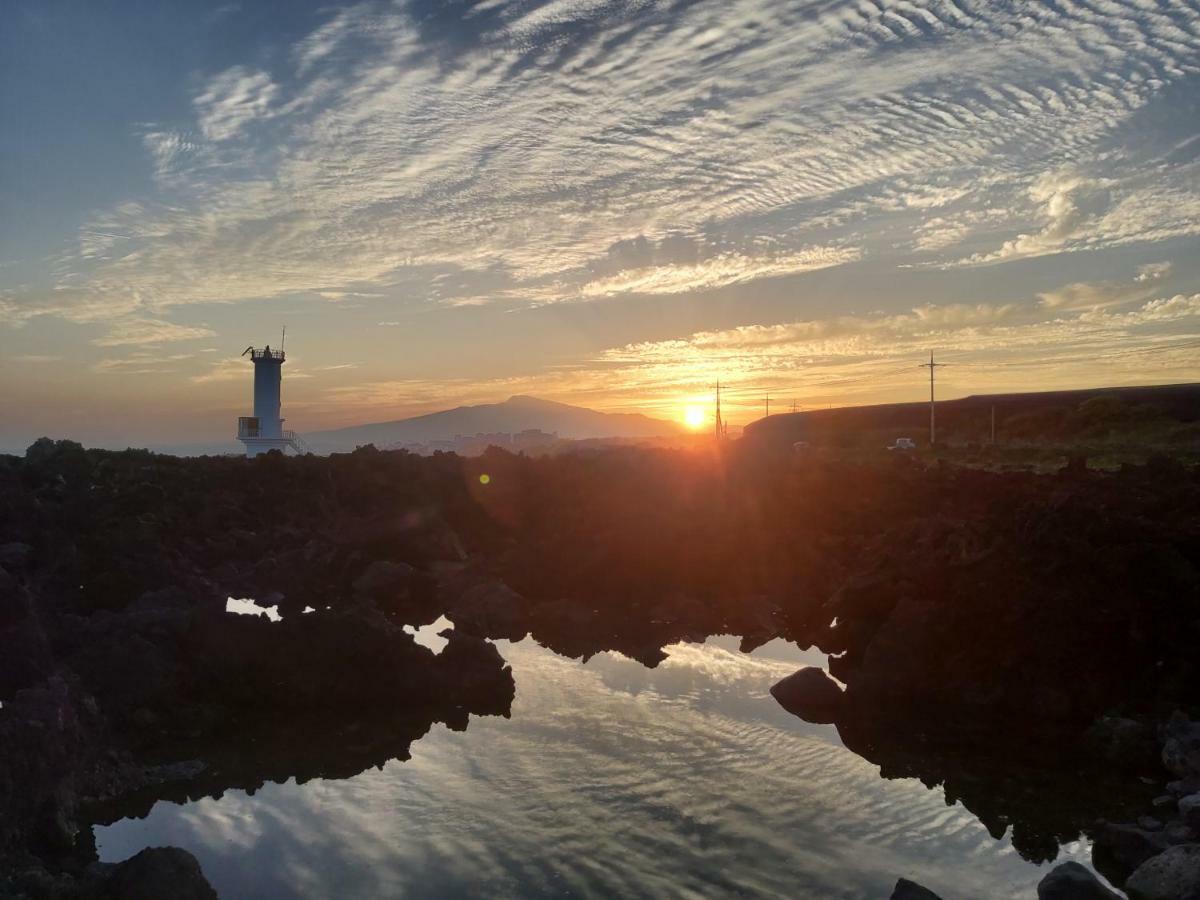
pixel 259 445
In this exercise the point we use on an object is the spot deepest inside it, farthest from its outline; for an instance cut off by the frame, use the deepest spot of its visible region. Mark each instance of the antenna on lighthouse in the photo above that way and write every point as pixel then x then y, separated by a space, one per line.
pixel 283 337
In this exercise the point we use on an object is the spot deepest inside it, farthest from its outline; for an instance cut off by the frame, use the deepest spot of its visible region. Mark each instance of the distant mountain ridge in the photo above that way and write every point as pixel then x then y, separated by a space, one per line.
pixel 517 413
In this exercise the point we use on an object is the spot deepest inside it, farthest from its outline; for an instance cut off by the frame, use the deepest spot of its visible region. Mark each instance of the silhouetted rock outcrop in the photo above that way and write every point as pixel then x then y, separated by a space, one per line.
pixel 123 679
pixel 1071 881
pixel 1189 810
pixel 1172 875
pixel 158 872
pixel 1004 635
pixel 810 694
pixel 910 890
pixel 1181 747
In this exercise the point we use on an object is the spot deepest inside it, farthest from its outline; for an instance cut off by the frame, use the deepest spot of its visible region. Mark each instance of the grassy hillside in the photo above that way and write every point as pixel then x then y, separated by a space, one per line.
pixel 1108 425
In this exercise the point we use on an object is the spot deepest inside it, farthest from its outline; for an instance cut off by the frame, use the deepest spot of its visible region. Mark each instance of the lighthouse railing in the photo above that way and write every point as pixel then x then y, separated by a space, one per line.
pixel 298 443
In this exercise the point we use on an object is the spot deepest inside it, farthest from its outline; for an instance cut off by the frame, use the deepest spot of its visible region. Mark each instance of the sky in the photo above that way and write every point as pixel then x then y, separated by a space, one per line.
pixel 603 202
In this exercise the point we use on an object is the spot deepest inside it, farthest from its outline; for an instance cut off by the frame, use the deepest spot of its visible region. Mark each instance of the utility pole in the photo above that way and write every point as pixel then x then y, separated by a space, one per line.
pixel 793 406
pixel 768 404
pixel 720 429
pixel 931 365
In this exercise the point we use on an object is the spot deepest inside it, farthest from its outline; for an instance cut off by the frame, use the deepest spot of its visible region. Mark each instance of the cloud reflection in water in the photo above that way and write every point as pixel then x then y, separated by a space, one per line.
pixel 610 779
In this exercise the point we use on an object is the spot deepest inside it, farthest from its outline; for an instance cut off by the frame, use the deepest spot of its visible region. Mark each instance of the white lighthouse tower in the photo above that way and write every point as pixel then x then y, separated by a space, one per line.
pixel 264 430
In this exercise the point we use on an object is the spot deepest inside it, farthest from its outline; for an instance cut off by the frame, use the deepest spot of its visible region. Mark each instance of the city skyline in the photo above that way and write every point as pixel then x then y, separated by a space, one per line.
pixel 608 204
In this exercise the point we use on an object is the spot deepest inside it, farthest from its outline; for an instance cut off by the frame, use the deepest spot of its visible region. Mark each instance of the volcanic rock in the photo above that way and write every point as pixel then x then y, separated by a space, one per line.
pixel 1123 742
pixel 1180 833
pixel 490 609
pixel 384 580
pixel 1127 845
pixel 14 555
pixel 1189 810
pixel 810 694
pixel 159 872
pixel 1071 881
pixel 1181 746
pixel 1183 787
pixel 910 890
pixel 1172 875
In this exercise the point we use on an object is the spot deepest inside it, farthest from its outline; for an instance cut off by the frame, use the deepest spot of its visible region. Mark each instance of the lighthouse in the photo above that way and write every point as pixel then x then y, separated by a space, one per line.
pixel 264 430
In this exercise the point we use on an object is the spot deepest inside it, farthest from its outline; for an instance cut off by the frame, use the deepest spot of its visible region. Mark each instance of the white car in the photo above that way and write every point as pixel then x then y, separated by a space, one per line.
pixel 903 444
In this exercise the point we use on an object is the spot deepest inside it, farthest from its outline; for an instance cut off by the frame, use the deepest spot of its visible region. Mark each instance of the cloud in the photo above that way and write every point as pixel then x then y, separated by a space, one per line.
pixel 337 296
pixel 850 335
pixel 232 100
pixel 140 363
pixel 170 151
pixel 238 368
pixel 720 271
pixel 1069 204
pixel 838 360
pixel 1169 309
pixel 1105 294
pixel 150 331
pixel 941 232
pixel 224 11
pixel 229 368
pixel 1086 295
pixel 521 143
pixel 849 359
pixel 1154 271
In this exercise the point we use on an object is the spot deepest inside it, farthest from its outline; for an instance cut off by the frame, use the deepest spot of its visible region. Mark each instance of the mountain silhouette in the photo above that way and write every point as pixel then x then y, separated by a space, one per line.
pixel 517 413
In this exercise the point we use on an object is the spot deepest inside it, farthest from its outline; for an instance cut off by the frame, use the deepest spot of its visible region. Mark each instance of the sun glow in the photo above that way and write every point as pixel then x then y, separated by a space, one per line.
pixel 693 416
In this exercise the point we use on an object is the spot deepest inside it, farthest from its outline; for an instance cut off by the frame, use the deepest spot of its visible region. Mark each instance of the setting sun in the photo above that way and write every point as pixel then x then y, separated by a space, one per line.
pixel 693 416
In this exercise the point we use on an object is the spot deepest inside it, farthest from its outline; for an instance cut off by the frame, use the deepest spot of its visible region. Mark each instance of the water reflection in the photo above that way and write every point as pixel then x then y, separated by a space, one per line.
pixel 247 607
pixel 431 635
pixel 609 779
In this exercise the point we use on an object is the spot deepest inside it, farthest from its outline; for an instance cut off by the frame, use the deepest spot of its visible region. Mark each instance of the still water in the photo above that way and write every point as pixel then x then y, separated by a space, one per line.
pixel 609 779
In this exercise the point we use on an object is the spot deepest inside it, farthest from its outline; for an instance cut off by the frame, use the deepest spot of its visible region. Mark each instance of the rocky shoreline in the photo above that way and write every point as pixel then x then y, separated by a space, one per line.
pixel 1025 641
pixel 1154 857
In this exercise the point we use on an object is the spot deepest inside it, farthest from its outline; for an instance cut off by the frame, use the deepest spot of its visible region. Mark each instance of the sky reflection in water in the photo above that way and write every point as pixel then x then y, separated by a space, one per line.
pixel 610 779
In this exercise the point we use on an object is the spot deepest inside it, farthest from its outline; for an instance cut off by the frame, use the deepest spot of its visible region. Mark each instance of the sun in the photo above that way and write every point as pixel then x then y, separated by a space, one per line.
pixel 693 416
